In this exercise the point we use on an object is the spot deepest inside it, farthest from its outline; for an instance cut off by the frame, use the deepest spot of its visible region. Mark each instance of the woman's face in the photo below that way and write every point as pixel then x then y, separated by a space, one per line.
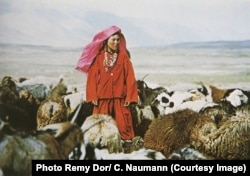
pixel 113 42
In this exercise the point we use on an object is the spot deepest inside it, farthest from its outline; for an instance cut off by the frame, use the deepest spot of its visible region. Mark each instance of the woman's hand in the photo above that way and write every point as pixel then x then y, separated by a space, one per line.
pixel 95 102
pixel 126 103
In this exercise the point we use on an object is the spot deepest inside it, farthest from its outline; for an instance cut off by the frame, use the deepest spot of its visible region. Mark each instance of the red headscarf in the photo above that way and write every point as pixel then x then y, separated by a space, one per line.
pixel 91 50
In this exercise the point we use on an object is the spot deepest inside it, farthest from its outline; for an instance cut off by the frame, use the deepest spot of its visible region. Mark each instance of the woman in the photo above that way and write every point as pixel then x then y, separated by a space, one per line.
pixel 111 84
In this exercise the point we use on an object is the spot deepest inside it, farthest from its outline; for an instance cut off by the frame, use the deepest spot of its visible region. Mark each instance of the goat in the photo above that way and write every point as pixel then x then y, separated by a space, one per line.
pixel 142 117
pixel 147 94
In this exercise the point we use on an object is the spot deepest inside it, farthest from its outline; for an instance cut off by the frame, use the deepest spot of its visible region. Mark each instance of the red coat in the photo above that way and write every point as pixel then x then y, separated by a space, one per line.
pixel 118 82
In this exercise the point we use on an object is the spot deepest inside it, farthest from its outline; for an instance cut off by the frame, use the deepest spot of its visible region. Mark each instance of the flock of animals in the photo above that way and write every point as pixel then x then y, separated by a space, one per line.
pixel 41 119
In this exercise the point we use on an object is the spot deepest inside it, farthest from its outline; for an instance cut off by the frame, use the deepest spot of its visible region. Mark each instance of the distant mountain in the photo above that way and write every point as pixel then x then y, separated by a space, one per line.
pixel 74 24
pixel 37 48
pixel 214 44
pixel 191 45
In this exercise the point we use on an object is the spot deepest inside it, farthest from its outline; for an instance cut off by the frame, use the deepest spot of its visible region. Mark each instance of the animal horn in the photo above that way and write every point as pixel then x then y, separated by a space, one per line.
pixel 199 83
pixel 79 107
pixel 144 77
pixel 93 124
pixel 1 124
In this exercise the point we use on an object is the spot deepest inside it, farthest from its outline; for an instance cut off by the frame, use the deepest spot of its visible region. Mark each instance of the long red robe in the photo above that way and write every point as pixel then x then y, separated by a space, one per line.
pixel 112 89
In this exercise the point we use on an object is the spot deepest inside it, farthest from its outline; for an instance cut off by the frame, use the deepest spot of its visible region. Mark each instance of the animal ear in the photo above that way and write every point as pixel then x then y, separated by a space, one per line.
pixel 170 93
pixel 51 131
pixel 61 80
pixel 64 128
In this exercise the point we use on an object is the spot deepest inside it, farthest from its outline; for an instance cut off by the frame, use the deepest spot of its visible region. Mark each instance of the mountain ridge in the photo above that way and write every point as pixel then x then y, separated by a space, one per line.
pixel 206 44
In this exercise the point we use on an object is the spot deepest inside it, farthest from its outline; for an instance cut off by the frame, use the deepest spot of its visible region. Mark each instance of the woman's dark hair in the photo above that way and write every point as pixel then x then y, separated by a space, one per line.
pixel 128 53
pixel 103 46
pixel 105 42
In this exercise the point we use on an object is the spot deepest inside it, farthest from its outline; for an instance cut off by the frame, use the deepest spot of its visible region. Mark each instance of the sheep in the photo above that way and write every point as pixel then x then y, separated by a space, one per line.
pixel 53 109
pixel 53 142
pixel 219 112
pixel 169 133
pixel 101 131
pixel 231 141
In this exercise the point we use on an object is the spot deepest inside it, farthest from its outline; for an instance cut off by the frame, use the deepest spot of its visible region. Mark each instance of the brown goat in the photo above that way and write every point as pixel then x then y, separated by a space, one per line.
pixel 176 130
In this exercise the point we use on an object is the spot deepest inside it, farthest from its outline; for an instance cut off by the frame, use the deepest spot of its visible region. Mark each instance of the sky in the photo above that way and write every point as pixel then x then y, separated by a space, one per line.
pixel 73 23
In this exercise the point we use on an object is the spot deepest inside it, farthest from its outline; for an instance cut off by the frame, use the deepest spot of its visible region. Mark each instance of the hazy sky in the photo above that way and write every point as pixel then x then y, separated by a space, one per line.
pixel 73 22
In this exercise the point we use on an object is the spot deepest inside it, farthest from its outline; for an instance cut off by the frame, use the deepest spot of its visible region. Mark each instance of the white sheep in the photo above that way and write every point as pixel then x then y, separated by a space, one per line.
pixel 101 131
